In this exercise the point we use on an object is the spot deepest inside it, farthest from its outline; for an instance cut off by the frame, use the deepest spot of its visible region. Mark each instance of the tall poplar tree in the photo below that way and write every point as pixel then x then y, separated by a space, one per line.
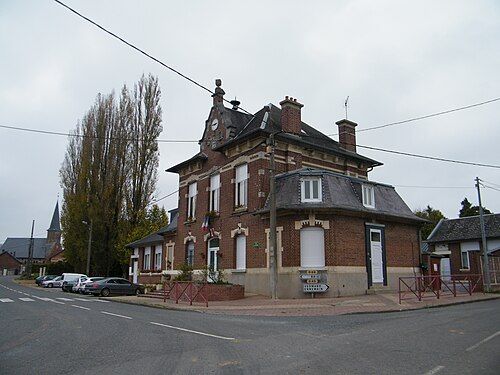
pixel 109 174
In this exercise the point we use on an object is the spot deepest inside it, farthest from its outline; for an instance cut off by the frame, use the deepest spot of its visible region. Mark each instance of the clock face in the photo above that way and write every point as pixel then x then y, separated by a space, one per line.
pixel 215 124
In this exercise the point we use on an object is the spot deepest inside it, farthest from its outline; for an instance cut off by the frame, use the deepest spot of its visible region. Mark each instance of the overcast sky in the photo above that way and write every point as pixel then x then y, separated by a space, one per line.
pixel 396 60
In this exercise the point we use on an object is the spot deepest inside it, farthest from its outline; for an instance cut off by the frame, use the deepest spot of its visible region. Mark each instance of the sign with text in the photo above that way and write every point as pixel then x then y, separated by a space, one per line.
pixel 315 288
pixel 310 277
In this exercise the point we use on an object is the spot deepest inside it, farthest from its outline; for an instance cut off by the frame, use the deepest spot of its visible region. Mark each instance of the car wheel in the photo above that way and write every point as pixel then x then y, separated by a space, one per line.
pixel 137 291
pixel 50 286
pixel 105 292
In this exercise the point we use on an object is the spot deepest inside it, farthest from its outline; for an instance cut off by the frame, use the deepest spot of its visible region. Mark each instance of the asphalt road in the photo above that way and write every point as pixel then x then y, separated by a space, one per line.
pixel 46 331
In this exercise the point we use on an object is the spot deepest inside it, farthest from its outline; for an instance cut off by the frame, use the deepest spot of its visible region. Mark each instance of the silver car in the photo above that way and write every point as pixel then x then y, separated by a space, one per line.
pixel 52 283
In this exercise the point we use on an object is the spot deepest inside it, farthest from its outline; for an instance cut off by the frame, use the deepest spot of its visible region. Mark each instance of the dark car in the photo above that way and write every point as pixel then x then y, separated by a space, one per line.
pixel 112 286
pixel 40 279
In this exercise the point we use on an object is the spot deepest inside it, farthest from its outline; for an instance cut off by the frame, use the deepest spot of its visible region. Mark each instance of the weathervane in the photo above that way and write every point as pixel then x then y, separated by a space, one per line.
pixel 346 105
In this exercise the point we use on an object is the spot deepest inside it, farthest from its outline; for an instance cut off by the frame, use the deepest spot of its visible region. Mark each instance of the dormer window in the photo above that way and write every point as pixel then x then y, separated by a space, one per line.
pixel 311 189
pixel 368 196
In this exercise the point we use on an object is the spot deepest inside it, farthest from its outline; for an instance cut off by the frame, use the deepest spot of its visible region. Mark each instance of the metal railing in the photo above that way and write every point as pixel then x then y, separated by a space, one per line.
pixel 186 291
pixel 437 286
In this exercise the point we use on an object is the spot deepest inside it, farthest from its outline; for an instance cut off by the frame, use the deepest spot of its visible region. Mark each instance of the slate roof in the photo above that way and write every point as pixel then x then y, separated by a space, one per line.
pixel 19 247
pixel 266 121
pixel 55 224
pixel 465 228
pixel 156 237
pixel 340 192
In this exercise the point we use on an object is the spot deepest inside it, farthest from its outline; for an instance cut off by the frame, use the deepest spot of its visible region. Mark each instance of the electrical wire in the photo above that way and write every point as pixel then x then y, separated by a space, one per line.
pixel 144 52
pixel 423 117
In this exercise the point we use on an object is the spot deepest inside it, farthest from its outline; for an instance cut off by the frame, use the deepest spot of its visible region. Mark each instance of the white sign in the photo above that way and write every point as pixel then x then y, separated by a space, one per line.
pixel 315 288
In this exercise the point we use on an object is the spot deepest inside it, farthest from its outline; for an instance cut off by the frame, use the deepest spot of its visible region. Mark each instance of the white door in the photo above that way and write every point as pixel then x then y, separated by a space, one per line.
pixel 376 256
pixel 213 259
pixel 445 269
pixel 134 273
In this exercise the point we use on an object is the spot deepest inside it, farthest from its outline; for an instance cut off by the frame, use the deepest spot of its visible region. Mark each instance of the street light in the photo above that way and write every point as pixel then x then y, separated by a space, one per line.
pixel 89 246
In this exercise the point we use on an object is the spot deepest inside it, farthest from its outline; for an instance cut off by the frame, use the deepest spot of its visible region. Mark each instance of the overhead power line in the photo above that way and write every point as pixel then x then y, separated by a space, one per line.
pixel 192 141
pixel 143 52
pixel 424 117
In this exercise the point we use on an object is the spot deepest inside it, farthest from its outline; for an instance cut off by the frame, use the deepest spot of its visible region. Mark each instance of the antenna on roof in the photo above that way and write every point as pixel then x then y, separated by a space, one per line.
pixel 346 104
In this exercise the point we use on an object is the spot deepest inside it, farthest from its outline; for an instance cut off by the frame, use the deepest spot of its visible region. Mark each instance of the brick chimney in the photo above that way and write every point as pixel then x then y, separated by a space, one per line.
pixel 347 134
pixel 218 94
pixel 290 115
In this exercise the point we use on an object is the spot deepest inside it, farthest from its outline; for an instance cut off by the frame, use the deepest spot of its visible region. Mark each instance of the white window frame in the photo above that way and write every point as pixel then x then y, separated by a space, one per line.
pixel 190 257
pixel 215 192
pixel 241 186
pixel 467 258
pixel 146 261
pixel 368 193
pixel 309 192
pixel 169 260
pixel 192 191
pixel 241 252
pixel 157 253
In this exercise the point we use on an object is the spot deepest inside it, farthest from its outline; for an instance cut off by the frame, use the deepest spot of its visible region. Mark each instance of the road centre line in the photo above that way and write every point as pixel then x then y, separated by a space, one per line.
pixel 435 370
pixel 194 332
pixel 119 316
pixel 473 347
pixel 81 307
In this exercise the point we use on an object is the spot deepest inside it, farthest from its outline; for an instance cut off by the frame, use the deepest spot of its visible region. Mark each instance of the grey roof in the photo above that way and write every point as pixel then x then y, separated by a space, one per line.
pixel 19 247
pixel 465 228
pixel 340 192
pixel 157 237
pixel 150 239
pixel 172 226
pixel 267 120
pixel 55 224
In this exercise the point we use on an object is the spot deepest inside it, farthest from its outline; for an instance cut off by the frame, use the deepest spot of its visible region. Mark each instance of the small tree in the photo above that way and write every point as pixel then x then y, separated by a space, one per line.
pixel 469 210
pixel 434 216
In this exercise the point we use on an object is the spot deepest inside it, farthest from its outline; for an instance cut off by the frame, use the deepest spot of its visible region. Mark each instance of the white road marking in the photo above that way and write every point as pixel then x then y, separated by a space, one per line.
pixel 194 332
pixel 26 299
pixel 100 300
pixel 83 299
pixel 6 300
pixel 119 316
pixel 482 342
pixel 65 299
pixel 435 370
pixel 81 307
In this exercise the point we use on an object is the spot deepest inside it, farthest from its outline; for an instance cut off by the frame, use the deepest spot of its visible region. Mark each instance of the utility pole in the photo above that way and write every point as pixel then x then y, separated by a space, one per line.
pixel 273 260
pixel 89 246
pixel 29 263
pixel 486 262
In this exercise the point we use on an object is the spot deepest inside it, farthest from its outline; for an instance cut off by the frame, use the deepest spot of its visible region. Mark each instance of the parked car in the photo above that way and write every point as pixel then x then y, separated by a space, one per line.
pixel 80 283
pixel 40 279
pixel 113 286
pixel 69 279
pixel 56 282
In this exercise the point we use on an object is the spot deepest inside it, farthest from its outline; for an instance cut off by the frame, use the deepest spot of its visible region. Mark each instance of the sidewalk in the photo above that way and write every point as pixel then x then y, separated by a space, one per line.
pixel 258 305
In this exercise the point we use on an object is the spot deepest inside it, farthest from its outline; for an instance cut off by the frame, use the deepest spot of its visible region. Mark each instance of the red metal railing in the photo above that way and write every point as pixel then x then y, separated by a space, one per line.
pixel 436 286
pixel 185 290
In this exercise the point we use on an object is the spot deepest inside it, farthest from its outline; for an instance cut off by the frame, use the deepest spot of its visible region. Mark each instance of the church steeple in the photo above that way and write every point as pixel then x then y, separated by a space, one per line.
pixel 54 231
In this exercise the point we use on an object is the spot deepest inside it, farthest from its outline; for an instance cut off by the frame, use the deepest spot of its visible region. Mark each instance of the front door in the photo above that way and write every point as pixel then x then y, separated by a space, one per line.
pixel 213 259
pixel 377 264
pixel 435 282
pixel 445 269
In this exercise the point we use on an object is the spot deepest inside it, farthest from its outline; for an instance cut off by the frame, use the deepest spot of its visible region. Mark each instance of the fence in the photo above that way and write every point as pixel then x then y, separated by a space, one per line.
pixel 437 286
pixel 186 290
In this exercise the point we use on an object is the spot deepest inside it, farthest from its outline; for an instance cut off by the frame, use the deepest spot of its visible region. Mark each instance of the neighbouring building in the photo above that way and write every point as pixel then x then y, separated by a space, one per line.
pixel 337 232
pixel 455 247
pixel 44 249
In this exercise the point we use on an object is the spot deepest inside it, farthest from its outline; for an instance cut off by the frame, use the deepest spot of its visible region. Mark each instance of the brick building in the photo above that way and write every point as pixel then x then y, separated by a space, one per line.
pixel 352 234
